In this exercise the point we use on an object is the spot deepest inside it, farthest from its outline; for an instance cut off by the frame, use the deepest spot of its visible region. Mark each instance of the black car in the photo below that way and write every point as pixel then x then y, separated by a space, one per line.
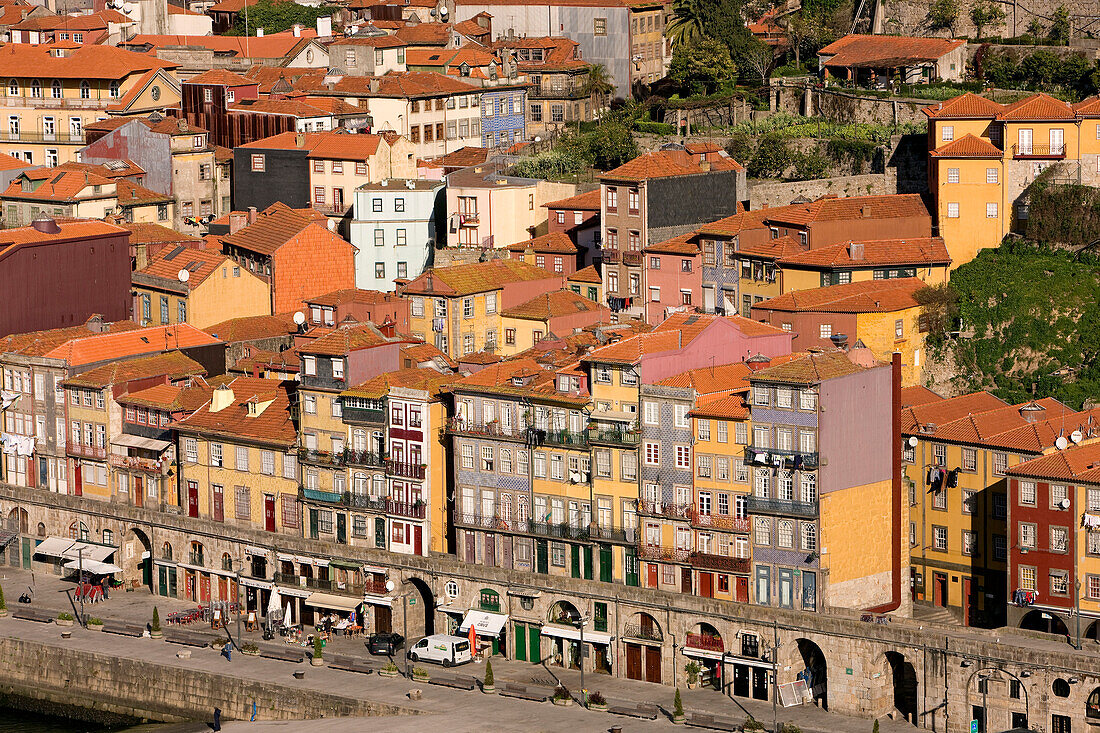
pixel 385 643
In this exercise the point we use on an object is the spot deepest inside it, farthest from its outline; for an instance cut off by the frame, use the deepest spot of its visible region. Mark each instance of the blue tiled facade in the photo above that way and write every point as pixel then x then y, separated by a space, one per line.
pixel 503 121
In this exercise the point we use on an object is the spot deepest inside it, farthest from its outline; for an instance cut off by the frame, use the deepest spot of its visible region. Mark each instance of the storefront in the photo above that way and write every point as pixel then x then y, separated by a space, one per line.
pixel 489 628
pixel 58 551
pixel 256 595
pixel 711 665
pixel 319 606
pixel 566 649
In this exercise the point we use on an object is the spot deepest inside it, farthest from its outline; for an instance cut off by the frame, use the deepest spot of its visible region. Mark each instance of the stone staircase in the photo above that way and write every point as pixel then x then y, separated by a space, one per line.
pixel 935 614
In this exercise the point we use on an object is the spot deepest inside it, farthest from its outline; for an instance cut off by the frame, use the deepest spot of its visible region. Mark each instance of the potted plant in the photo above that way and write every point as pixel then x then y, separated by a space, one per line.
pixel 420 674
pixel 596 701
pixel 250 649
pixel 64 619
pixel 389 670
pixel 318 652
pixel 95 624
pixel 154 628
pixel 678 709
pixel 487 685
pixel 3 605
pixel 562 697
pixel 692 668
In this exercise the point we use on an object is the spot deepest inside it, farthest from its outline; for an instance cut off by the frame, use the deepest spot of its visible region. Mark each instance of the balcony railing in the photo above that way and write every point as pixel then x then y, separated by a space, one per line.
pixel 707 642
pixel 367 458
pixel 365 501
pixel 562 437
pixel 403 469
pixel 663 509
pixel 723 563
pixel 318 457
pixel 36 136
pixel 48 102
pixel 643 631
pixel 147 465
pixel 1039 151
pixel 659 552
pixel 720 521
pixel 302 581
pixel 562 530
pixel 85 451
pixel 492 429
pixel 197 559
pixel 632 257
pixel 329 497
pixel 468 218
pixel 406 509
pixel 610 256
pixel 606 436
pixel 791 458
pixel 556 92
pixel 785 507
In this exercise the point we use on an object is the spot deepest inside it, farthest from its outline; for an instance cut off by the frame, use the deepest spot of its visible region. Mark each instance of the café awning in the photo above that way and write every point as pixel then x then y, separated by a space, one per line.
pixel 572 632
pixel 336 603
pixel 376 600
pixel 137 441
pixel 93 566
pixel 484 623
pixel 53 546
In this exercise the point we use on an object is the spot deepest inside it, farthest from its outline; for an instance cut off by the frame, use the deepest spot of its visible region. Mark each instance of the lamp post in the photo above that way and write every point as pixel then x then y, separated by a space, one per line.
pixel 390 586
pixel 240 607
pixel 580 624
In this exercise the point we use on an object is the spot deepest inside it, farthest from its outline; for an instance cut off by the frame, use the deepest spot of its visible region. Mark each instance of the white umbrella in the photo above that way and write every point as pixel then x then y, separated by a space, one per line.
pixel 288 620
pixel 275 604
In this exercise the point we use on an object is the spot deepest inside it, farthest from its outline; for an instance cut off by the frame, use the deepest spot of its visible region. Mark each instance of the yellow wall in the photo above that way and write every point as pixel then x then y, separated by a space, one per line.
pixel 223 292
pixel 793 278
pixel 972 230
pixel 525 334
pixel 853 548
pixel 878 331
pixel 98 417
pixel 479 326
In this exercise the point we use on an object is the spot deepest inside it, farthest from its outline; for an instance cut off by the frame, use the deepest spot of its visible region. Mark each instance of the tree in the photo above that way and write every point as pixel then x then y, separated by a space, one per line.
pixel 598 85
pixel 318 647
pixel 771 159
pixel 1059 24
pixel 875 729
pixel 943 15
pixel 3 606
pixel 984 14
pixel 686 25
pixel 803 31
pixel 677 706
pixel 489 681
pixel 939 307
pixel 611 145
pixel 155 626
pixel 701 67
pixel 1035 28
pixel 275 16
pixel 759 58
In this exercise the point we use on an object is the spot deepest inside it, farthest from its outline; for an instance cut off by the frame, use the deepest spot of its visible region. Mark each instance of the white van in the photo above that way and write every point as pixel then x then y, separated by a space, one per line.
pixel 442 648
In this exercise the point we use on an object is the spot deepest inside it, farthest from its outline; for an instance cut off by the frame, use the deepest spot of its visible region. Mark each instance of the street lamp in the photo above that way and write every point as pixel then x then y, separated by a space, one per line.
pixel 390 586
pixel 581 621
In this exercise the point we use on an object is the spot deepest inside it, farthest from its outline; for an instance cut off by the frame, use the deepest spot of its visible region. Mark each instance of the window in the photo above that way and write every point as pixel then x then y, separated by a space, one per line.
pixel 215 454
pixel 683 458
pixel 652 454
pixel 947 133
pixel 952 175
pixel 1027 534
pixel 380 270
pixel 1027 493
pixel 969 459
pixel 599 26
pixel 612 199
pixel 763 531
pixel 704 429
pixel 1059 583
pixel 309 404
pixel 190 449
pixel 991 175
pixel 1027 577
pixel 1059 539
pixel 939 538
pixel 825 330
pixel 991 210
pixel 651 412
pixel 809 536
pixel 952 211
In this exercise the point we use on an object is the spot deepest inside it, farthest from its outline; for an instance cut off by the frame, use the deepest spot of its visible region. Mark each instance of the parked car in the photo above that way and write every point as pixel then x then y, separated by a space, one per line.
pixel 387 643
pixel 442 649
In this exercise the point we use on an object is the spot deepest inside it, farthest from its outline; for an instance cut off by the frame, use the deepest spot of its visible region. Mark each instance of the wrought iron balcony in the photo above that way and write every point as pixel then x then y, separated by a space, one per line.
pixel 559 530
pixel 147 465
pixel 659 552
pixel 85 451
pixel 720 521
pixel 468 218
pixel 610 436
pixel 410 510
pixel 303 581
pixel 663 509
pixel 643 631
pixel 632 257
pixel 366 458
pixel 491 429
pixel 403 469
pixel 363 415
pixel 562 437
pixel 365 501
pixel 790 458
pixel 706 561
pixel 706 642
pixel 784 507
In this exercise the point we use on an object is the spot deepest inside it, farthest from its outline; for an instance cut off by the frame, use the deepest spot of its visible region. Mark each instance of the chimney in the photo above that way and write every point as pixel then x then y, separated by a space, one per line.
pixel 704 165
pixel 221 399
pixel 238 220
pixel 251 214
pixel 840 340
pixel 297 31
pixel 94 323
pixel 45 224
pixel 300 140
pixel 855 250
pixel 375 84
pixel 1033 412
pixel 259 33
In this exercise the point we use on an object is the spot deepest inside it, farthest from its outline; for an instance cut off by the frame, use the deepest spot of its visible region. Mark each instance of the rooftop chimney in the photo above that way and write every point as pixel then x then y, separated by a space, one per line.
pixel 855 250
pixel 300 140
pixel 1033 412
pixel 297 31
pixel 251 214
pixel 221 399
pixel 94 323
pixel 46 225
pixel 238 220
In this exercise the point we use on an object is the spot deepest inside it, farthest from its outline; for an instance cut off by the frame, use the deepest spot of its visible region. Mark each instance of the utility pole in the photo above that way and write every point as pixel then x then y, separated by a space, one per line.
pixel 775 676
pixel 240 607
pixel 584 695
pixel 80 580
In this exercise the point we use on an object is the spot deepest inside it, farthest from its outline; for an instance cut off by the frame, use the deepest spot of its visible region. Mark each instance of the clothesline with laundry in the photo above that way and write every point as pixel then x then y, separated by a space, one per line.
pixel 20 445
pixel 937 478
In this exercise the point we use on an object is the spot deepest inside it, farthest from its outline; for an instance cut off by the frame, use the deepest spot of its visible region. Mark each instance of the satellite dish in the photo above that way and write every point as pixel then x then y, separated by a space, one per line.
pixel 128 8
pixel 913 441
pixel 390 586
pixel 299 318
pixel 443 11
pixel 183 275
pixel 1061 442
pixel 1064 503
pixel 1076 436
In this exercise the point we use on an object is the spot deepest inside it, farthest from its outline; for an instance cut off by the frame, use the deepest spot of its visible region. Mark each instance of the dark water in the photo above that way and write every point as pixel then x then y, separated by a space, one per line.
pixel 20 721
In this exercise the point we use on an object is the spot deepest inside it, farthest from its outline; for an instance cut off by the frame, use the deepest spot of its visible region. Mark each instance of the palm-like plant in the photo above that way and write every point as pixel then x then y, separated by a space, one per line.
pixel 598 86
pixel 687 22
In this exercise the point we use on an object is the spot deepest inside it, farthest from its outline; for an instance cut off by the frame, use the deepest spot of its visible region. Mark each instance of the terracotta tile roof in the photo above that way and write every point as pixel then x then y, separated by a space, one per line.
pixel 703 148
pixel 270 46
pixel 1037 107
pixel 589 201
pixel 968 146
pixel 478 277
pixel 329 145
pixel 554 242
pixel 721 379
pixel 40 343
pixel 558 54
pixel 728 407
pixel 424 352
pixel 129 193
pixel 480 357
pixel 681 245
pixel 8 163
pixel 919 251
pixel 1078 463
pixel 167 263
pixel 965 106
pixel 554 304
pixel 274 226
pixel 428 380
pixel 1008 428
pixel 869 296
pixel 771 249
pixel 1089 107
pixel 735 224
pixel 834 208
pixel 858 50
pixel 380 41
pixel 62 186
pixel 425 34
pixel 169 397
pixel 346 339
pixel 809 368
pixel 586 275
pixel 221 77
pixel 147 233
pixel 500 378
pixel 421 84
pixel 353 295
pixel 942 411
pixel 173 365
pixel 663 164
pixel 101 347
pixel 470 27
pixel 253 328
pixel 70 229
pixel 918 395
pixel 461 158
pixel 122 169
pixel 675 332
pixel 273 426
pixel 22 60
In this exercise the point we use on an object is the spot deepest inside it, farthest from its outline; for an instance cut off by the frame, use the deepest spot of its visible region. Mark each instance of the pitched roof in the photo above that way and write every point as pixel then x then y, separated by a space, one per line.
pixel 675 332
pixel 1037 107
pixel 9 163
pixel 39 343
pixel 461 158
pixel 918 395
pixel 345 339
pixel 920 251
pixel 330 144
pixel 968 146
pixel 101 347
pixel 199 263
pixel 353 295
pixel 809 368
pixel 21 60
pixel 1089 107
pixel 965 106
pixel 379 41
pixel 665 164
pixel 129 193
pixel 253 328
pixel 735 223
pixel 221 77
pixel 169 397
pixel 148 233
pixel 421 84
pixel 501 378
pixel 70 229
pixel 588 201
pixel 857 50
pixel 555 242
pixel 681 245
pixel 1029 427
pixel 269 46
pixel 586 275
pixel 274 227
pixel 477 277
pixel 425 34
pixel 943 411
pixel 272 426
pixel 728 407
pixel 62 185
pixel 428 380
pixel 723 378
pixel 553 305
pixel 868 296
pixel 1078 463
pixel 835 208
pixel 173 365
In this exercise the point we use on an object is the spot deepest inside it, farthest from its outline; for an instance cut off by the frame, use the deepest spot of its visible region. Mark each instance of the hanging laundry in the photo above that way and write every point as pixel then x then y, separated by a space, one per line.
pixel 761 458
pixel 952 478
pixel 1090 521
pixel 798 462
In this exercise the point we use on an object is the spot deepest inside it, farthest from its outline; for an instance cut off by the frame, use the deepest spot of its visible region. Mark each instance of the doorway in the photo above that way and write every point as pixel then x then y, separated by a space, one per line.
pixel 633 661
pixel 939 589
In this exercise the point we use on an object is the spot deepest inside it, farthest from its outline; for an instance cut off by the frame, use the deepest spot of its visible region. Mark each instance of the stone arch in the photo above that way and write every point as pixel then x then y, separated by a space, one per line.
pixel 19 515
pixel 815 670
pixel 1092 631
pixel 564 613
pixel 425 621
pixel 137 559
pixel 1050 623
pixel 705 636
pixel 644 626
pixel 904 678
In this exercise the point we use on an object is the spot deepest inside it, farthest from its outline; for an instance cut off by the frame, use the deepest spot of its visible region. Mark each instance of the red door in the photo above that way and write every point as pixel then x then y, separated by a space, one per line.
pixel 223 588
pixel 219 503
pixel 204 588
pixel 418 538
pixel 939 589
pixel 190 585
pixel 742 589
pixel 269 513
pixel 653 664
pixel 78 480
pixel 633 662
pixel 139 491
pixel 706 585
pixel 968 602
pixel 651 575
pixel 192 499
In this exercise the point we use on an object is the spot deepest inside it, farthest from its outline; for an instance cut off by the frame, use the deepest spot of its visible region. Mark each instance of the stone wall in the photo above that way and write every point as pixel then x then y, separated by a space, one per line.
pixel 910 17
pixel 780 193
pixel 838 105
pixel 147 690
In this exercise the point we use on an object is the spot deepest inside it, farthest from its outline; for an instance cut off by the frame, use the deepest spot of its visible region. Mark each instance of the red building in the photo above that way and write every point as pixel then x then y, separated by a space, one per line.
pixel 674 277
pixel 555 252
pixel 58 274
pixel 578 217
pixel 384 310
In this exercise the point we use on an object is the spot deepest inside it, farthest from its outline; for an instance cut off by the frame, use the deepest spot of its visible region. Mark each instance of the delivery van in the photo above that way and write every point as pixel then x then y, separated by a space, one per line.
pixel 442 649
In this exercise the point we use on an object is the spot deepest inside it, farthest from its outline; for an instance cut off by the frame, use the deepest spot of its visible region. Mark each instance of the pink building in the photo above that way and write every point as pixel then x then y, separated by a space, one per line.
pixel 674 278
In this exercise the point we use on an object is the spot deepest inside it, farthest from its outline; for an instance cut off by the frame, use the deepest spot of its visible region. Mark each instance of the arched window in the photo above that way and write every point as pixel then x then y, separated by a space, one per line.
pixel 114 90
pixel 85 90
pixel 227 562
pixel 198 554
pixel 1092 706
pixel 108 537
pixel 1060 688
pixel 809 536
pixel 166 551
pixel 489 600
pixel 78 531
pixel 36 88
pixel 41 530
pixel 55 89
pixel 13 88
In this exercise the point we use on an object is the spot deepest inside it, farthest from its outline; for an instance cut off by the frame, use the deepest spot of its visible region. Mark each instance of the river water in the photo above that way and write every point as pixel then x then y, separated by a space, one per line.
pixel 19 721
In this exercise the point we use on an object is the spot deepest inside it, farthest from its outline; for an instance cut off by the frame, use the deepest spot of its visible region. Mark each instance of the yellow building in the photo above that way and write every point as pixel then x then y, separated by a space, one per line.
pixel 51 93
pixel 459 308
pixel 925 258
pixel 557 313
pixel 956 455
pixel 587 282
pixel 78 191
pixel 213 286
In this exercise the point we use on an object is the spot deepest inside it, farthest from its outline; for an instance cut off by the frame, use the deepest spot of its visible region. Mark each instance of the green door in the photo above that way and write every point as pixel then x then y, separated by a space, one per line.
pixel 172 582
pixel 380 532
pixel 147 573
pixel 630 567
pixel 26 553
pixel 341 528
pixel 587 562
pixel 536 644
pixel 521 643
pixel 542 561
pixel 606 564
pixel 575 561
pixel 162 578
pixel 313 532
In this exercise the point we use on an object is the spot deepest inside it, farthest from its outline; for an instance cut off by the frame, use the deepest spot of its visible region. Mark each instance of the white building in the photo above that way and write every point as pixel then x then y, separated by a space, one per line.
pixel 395 225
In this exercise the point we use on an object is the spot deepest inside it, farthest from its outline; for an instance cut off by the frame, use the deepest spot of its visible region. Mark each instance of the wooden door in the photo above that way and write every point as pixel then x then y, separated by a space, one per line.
pixel 651 575
pixel 490 551
pixel 139 491
pixel 521 642
pixel 535 635
pixel 742 589
pixel 223 588
pixel 968 602
pixel 740 680
pixel 939 589
pixel 633 661
pixel 383 620
pixel 706 585
pixel 269 513
pixel 653 664
pixel 78 480
pixel 192 499
pixel 204 588
pixel 471 548
pixel 219 503
pixel 685 580
pixel 341 528
pixel 418 539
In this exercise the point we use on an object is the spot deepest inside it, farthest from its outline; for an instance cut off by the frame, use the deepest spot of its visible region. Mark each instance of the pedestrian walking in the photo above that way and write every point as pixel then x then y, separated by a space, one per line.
pixel 217 719
pixel 227 651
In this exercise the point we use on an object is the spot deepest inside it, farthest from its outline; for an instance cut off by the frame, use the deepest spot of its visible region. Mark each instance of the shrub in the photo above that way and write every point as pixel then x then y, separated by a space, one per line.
pixel 318 647
pixel 93 621
pixel 753 724
pixel 64 616
pixel 155 626
pixel 875 729
pixel 560 693
pixel 655 128
pixel 596 698
pixel 677 705
pixel 390 667
pixel 809 166
pixel 488 674
pixel 249 647
pixel 420 672
pixel 692 669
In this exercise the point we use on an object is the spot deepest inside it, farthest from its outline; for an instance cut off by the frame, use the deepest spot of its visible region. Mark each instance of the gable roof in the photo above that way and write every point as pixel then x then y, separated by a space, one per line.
pixel 586 275
pixel 1029 427
pixel 723 378
pixel 555 242
pixel 968 146
pixel 681 245
pixel 274 227
pixel 809 368
pixel 94 348
pixel 920 251
pixel 858 50
pixel 846 208
pixel 22 60
pixel 477 277
pixel 220 77
pixel 345 339
pixel 1037 107
pixel 943 411
pixel 173 365
pixel 588 201
pixel 253 328
pixel 1079 464
pixel 675 332
pixel 330 145
pixel 965 106
pixel 554 304
pixel 869 296
pixel 666 164
pixel 273 426
pixel 39 343
pixel 167 264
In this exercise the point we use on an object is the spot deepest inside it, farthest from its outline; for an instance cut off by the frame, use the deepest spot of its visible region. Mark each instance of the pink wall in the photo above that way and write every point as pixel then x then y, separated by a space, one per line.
pixel 722 342
pixel 520 292
pixel 366 364
pixel 671 279
pixel 564 325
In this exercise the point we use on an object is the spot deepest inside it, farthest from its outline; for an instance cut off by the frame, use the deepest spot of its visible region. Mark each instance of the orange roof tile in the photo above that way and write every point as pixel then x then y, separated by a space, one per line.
pixel 425 34
pixel 221 77
pixel 964 106
pixel 478 277
pixel 169 397
pixel 173 365
pixel 1078 463
pixel 555 242
pixel 329 145
pixel 942 411
pixel 555 304
pixel 353 295
pixel 8 163
pixel 860 51
pixel 379 41
pixel 1089 107
pixel 253 328
pixel 345 339
pixel 269 46
pixel 148 233
pixel 919 251
pixel 720 379
pixel 664 164
pixel 1029 427
pixel 586 275
pixel 274 226
pixel 428 380
pixel 167 264
pixel 809 368
pixel 918 395
pixel 968 146
pixel 62 185
pixel 868 296
pixel 836 208
pixel 729 407
pixel 681 245
pixel 273 426
pixel 22 60
pixel 588 201
pixel 39 343
pixel 1037 107
pixel 102 347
